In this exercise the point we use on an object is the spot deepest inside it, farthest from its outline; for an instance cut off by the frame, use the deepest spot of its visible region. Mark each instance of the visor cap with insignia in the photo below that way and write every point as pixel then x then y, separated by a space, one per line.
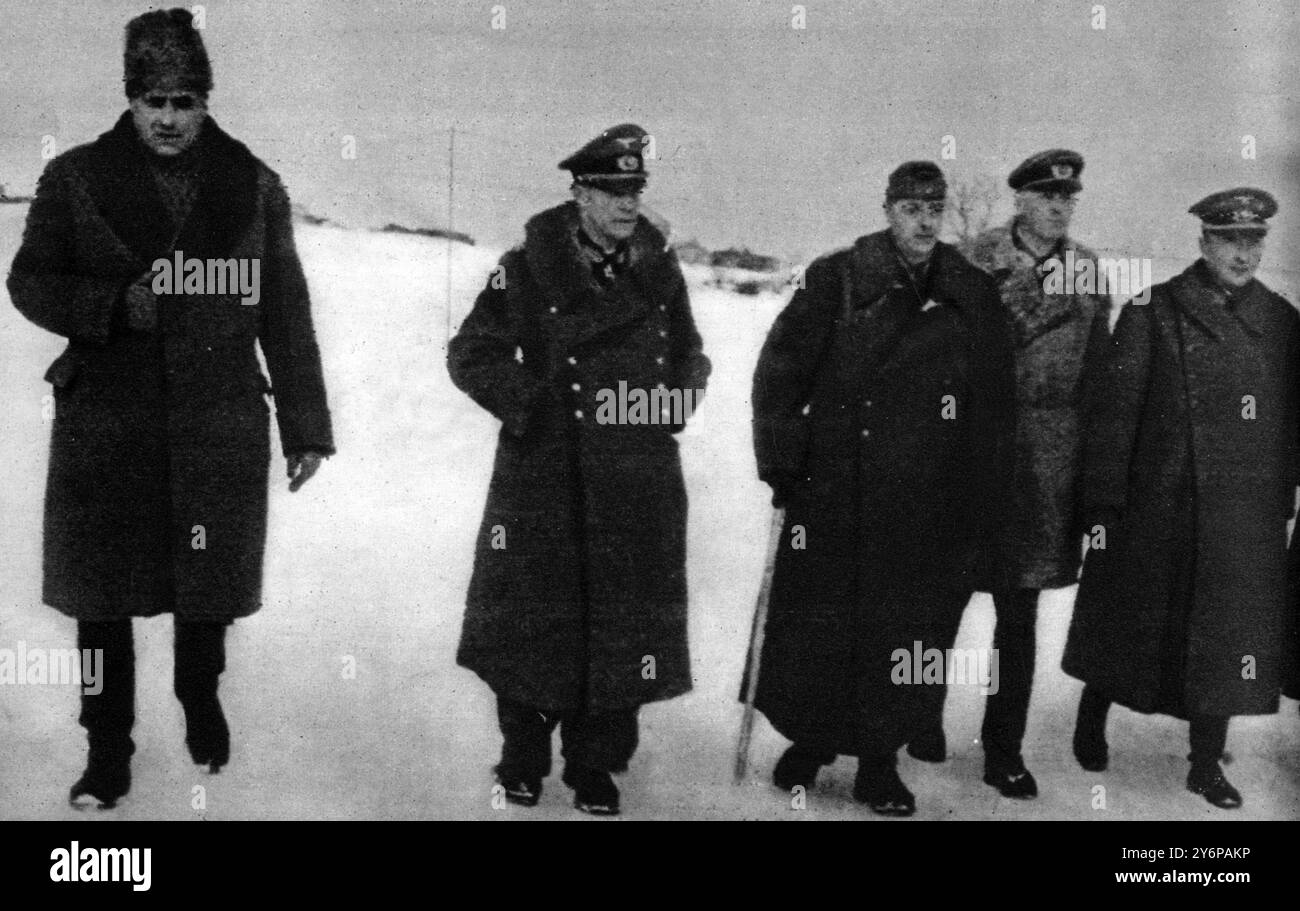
pixel 612 162
pixel 916 180
pixel 1241 209
pixel 1053 171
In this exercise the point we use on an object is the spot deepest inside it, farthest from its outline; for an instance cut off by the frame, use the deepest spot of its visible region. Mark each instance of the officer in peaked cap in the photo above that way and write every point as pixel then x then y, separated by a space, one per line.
pixel 614 161
pixel 1202 557
pixel 1056 170
pixel 1061 337
pixel 560 624
pixel 1242 209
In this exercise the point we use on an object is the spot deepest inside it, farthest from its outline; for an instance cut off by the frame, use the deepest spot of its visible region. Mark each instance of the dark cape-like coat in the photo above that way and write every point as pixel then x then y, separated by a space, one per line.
pixel 1060 339
pixel 895 410
pixel 157 489
pixel 1192 448
pixel 578 595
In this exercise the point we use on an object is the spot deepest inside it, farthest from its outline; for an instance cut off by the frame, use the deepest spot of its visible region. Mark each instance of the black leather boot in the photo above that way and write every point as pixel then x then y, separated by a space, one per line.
pixel 1090 747
pixel 107 715
pixel 107 778
pixel 1207 780
pixel 594 790
pixel 798 767
pixel 879 787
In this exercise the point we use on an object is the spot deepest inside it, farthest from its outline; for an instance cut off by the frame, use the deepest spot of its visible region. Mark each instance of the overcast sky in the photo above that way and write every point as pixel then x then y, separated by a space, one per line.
pixel 766 135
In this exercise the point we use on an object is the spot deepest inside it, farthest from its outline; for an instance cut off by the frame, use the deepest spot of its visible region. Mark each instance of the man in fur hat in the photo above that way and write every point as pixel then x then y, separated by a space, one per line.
pixel 156 496
pixel 577 606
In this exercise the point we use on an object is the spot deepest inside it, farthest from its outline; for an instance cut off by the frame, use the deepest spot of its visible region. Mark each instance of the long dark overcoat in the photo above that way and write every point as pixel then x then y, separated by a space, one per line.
pixel 157 434
pixel 1291 682
pixel 578 595
pixel 1192 445
pixel 896 409
pixel 1060 338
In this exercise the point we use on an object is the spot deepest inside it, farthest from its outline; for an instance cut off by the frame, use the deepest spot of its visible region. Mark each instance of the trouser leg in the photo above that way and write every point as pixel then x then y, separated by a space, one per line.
pixel 603 742
pixel 199 658
pixel 526 733
pixel 1006 712
pixel 1208 735
pixel 109 715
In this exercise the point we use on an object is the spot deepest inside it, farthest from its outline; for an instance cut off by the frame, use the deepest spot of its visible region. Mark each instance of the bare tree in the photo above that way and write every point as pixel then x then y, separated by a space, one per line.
pixel 970 207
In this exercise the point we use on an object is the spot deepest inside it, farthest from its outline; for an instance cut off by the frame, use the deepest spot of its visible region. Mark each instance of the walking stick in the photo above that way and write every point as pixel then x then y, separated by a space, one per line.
pixel 756 644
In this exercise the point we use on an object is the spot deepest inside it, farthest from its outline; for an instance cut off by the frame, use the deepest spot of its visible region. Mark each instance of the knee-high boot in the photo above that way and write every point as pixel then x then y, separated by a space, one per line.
pixel 107 715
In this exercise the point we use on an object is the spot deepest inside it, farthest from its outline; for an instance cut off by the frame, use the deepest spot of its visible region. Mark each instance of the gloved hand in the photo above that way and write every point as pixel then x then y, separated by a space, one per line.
pixel 301 467
pixel 141 304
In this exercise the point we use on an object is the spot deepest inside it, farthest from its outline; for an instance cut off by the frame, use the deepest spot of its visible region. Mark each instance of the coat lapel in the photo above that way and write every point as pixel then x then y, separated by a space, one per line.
pixel 884 304
pixel 582 311
pixel 127 198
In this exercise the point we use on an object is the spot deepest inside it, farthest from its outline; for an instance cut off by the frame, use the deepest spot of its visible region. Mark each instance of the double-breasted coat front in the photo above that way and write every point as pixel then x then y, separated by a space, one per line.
pixel 1192 451
pixel 577 600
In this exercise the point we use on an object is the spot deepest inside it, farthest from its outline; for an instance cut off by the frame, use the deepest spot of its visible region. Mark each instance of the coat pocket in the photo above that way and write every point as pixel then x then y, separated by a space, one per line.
pixel 63 371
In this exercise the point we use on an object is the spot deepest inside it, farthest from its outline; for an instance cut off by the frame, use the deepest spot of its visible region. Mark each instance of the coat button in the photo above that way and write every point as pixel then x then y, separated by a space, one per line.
pixel 578 414
pixel 659 361
pixel 663 333
pixel 576 387
pixel 573 361
pixel 868 403
pixel 866 433
pixel 663 307
pixel 555 310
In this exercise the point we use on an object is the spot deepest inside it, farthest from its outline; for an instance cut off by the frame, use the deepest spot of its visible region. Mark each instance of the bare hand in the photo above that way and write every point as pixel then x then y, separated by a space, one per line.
pixel 301 468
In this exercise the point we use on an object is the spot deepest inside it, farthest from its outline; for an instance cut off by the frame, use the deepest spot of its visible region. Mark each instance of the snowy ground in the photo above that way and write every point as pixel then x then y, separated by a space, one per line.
pixel 370 562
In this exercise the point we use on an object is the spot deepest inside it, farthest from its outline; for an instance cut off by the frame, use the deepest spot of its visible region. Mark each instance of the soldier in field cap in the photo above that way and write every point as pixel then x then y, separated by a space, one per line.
pixel 1191 466
pixel 576 612
pixel 1059 336
pixel 160 429
pixel 883 417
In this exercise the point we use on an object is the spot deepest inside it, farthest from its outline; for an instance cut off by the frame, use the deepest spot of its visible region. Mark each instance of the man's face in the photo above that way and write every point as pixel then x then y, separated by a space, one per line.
pixel 1045 215
pixel 1233 256
pixel 168 122
pixel 608 217
pixel 914 224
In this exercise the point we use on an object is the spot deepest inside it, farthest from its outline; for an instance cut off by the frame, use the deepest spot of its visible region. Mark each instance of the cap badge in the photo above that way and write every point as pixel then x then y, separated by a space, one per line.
pixel 628 163
pixel 1062 171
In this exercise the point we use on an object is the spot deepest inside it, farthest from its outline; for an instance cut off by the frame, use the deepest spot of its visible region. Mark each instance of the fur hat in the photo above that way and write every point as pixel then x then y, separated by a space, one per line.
pixel 162 46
